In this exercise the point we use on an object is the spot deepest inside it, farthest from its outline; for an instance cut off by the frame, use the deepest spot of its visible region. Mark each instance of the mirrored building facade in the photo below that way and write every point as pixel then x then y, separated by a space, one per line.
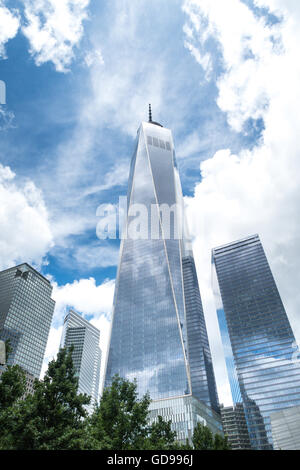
pixel 85 337
pixel 185 413
pixel 26 311
pixel 227 349
pixel 235 426
pixel 264 351
pixel 158 331
pixel 285 426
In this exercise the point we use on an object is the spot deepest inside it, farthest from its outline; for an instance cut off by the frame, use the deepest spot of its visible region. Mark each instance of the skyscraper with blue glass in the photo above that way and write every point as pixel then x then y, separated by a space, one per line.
pixel 158 331
pixel 253 322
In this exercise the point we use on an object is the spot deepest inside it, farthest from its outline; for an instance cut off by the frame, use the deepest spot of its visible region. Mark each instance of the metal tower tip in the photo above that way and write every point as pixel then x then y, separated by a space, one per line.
pixel 150 113
pixel 150 117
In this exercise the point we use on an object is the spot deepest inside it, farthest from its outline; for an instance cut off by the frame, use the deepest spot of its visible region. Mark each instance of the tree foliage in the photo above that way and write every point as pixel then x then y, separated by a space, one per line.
pixel 203 439
pixel 8 349
pixel 54 417
pixel 120 420
pixel 221 443
pixel 12 386
pixel 161 436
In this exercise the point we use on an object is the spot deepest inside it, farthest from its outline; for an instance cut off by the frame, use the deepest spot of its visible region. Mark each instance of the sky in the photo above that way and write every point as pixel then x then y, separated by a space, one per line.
pixel 79 74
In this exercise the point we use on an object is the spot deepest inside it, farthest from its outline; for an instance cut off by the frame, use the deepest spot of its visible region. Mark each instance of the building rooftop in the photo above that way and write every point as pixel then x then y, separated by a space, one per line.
pixel 235 244
pixel 28 267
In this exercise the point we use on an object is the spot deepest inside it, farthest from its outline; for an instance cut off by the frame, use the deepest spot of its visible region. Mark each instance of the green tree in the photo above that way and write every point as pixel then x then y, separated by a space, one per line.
pixel 203 439
pixel 161 437
pixel 12 386
pixel 8 348
pixel 53 418
pixel 119 422
pixel 221 443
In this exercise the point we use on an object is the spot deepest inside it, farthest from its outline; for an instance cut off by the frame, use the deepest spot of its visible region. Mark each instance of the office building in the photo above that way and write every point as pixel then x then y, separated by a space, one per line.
pixel 26 311
pixel 86 355
pixel 262 341
pixel 235 426
pixel 158 331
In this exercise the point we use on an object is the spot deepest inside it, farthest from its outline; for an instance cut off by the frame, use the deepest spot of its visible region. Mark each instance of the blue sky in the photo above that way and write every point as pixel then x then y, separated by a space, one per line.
pixel 49 109
pixel 79 77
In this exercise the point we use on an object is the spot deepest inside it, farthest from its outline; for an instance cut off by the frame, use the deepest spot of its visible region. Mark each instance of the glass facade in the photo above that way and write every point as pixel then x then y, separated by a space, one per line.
pixel 262 341
pixel 26 311
pixel 228 354
pixel 235 426
pixel 184 413
pixel 200 362
pixel 158 331
pixel 285 426
pixel 86 354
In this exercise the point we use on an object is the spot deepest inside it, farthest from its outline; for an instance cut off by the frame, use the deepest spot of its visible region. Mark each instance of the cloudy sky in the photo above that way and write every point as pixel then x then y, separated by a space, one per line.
pixel 79 74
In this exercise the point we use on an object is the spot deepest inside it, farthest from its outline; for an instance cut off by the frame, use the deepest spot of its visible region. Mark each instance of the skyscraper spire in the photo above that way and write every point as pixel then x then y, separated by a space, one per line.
pixel 150 117
pixel 150 113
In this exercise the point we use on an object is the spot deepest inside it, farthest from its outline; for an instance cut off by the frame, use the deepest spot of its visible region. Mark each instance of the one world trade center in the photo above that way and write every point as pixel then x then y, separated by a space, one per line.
pixel 158 334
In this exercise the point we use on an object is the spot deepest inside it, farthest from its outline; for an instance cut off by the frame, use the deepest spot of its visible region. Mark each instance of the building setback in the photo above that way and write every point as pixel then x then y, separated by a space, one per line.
pixel 86 354
pixel 26 311
pixel 235 426
pixel 262 341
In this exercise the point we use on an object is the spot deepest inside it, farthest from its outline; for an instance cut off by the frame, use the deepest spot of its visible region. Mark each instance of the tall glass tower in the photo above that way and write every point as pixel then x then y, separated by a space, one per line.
pixel 262 341
pixel 26 311
pixel 158 331
pixel 86 354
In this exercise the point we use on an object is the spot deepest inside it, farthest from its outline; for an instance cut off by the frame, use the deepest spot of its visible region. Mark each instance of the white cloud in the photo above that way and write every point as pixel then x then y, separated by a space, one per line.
pixel 117 176
pixel 25 231
pixel 84 296
pixel 114 98
pixel 88 299
pixel 131 78
pixel 190 146
pixel 6 119
pixel 111 100
pixel 54 28
pixel 52 347
pixel 103 323
pixel 203 59
pixel 84 257
pixel 66 223
pixel 93 57
pixel 9 25
pixel 6 174
pixel 96 255
pixel 255 191
pixel 250 48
